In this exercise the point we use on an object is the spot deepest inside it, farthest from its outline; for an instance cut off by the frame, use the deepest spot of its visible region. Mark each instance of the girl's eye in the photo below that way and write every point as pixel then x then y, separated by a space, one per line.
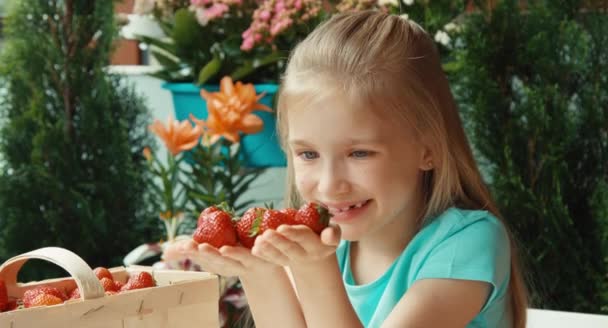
pixel 308 155
pixel 361 153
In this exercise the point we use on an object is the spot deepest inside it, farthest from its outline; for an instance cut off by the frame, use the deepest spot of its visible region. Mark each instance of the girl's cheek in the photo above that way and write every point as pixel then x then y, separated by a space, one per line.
pixel 304 184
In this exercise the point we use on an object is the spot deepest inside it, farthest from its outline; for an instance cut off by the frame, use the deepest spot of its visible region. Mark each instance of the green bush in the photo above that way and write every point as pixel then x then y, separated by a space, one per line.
pixel 533 90
pixel 72 138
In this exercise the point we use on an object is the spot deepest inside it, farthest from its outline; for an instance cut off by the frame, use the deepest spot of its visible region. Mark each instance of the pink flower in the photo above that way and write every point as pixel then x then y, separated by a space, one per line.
pixel 274 17
pixel 247 44
pixel 216 10
pixel 265 15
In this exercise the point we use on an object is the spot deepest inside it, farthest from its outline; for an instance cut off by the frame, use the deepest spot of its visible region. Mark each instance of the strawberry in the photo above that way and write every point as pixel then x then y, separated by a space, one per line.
pixel 138 281
pixel 314 216
pixel 118 285
pixel 102 272
pixel 108 285
pixel 75 294
pixel 12 305
pixel 31 294
pixel 272 220
pixel 244 226
pixel 291 214
pixel 217 230
pixel 205 213
pixel 45 299
pixel 3 296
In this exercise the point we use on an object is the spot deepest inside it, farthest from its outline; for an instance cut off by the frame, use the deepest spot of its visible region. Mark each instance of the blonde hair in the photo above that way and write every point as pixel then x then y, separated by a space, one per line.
pixel 391 64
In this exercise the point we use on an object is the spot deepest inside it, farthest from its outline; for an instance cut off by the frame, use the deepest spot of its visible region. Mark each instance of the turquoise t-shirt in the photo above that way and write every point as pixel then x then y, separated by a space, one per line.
pixel 458 244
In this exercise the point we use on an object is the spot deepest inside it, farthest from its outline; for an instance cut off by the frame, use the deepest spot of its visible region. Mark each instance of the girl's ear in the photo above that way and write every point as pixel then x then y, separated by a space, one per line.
pixel 426 159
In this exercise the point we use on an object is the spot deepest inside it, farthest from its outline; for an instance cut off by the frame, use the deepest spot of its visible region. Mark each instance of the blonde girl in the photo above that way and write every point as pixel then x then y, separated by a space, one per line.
pixel 371 131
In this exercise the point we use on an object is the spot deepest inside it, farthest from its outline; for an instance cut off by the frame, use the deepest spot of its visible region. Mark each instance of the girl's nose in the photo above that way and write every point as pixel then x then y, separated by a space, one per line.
pixel 332 180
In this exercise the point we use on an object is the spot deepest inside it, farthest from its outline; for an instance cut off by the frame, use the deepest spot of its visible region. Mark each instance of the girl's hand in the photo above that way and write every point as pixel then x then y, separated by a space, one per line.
pixel 226 261
pixel 295 245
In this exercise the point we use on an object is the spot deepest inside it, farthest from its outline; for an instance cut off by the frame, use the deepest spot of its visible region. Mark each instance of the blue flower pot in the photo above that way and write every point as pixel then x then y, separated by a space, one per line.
pixel 259 150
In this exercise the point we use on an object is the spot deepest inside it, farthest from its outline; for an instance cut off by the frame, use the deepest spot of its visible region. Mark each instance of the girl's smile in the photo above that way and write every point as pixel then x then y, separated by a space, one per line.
pixel 345 213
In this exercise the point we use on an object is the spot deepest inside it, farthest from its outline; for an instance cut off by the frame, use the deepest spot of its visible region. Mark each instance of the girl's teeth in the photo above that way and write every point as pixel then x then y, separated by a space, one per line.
pixel 339 210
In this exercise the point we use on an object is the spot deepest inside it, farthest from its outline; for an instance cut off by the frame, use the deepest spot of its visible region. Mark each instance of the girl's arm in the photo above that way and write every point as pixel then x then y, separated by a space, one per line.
pixel 269 292
pixel 439 303
pixel 272 300
pixel 314 268
pixel 322 295
pixel 324 302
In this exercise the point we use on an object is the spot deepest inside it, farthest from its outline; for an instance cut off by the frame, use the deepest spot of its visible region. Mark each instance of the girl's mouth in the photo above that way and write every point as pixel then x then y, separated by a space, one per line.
pixel 340 215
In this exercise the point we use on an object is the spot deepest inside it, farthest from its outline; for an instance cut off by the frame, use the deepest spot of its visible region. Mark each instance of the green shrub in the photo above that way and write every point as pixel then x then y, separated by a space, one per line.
pixel 533 90
pixel 72 138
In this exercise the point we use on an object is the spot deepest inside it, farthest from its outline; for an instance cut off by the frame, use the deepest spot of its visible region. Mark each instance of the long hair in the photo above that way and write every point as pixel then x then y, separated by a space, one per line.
pixel 391 64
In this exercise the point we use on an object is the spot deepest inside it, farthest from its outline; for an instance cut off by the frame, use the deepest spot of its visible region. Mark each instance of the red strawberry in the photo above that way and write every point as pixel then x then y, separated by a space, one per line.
pixel 45 299
pixel 205 213
pixel 244 226
pixel 138 281
pixel 272 220
pixel 12 305
pixel 314 216
pixel 3 296
pixel 102 272
pixel 31 294
pixel 75 294
pixel 118 285
pixel 217 230
pixel 108 285
pixel 291 214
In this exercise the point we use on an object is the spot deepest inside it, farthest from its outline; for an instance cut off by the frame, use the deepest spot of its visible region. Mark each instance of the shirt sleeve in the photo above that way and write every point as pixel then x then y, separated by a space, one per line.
pixel 477 251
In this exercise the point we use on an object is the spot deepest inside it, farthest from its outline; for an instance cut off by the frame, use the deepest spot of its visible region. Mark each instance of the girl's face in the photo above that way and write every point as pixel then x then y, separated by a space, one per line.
pixel 365 168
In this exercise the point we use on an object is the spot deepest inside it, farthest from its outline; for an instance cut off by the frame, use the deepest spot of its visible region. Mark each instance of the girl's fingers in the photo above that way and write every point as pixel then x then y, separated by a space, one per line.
pixel 211 260
pixel 267 251
pixel 243 255
pixel 187 245
pixel 179 250
pixel 331 235
pixel 308 240
pixel 300 234
pixel 291 249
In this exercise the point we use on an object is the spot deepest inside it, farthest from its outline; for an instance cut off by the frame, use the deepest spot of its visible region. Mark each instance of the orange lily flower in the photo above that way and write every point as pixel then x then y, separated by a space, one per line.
pixel 177 136
pixel 230 111
pixel 147 153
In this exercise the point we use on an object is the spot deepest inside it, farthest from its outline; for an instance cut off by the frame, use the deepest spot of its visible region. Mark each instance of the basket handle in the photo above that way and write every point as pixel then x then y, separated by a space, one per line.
pixel 85 278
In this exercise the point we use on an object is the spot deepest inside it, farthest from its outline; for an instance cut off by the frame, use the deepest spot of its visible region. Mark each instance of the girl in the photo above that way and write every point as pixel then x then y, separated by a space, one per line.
pixel 372 132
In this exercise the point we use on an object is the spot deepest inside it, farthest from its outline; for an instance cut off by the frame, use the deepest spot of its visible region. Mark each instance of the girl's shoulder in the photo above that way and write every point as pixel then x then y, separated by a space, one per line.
pixel 466 245
pixel 463 223
pixel 462 244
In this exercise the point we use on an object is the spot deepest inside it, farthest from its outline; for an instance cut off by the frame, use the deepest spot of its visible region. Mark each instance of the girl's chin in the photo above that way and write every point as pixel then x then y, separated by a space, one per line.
pixel 350 234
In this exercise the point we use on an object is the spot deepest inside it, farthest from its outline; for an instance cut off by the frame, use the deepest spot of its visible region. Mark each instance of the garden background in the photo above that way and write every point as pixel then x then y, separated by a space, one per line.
pixel 530 78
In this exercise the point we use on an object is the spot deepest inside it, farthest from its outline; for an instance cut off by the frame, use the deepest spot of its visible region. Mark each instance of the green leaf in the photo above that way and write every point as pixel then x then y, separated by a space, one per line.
pixel 209 70
pixel 251 65
pixel 169 62
pixel 166 27
pixel 186 29
pixel 164 45
pixel 243 70
pixel 205 197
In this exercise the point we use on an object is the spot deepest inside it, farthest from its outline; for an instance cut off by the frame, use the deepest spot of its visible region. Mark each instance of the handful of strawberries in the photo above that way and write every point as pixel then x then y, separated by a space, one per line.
pixel 48 295
pixel 218 227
